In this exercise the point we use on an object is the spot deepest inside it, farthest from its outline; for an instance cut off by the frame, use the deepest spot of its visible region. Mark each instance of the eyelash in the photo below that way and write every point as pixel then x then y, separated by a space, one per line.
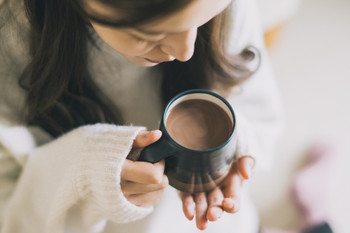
pixel 145 40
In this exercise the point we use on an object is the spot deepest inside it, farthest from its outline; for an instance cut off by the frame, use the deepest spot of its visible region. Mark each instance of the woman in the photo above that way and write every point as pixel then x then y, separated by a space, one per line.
pixel 77 76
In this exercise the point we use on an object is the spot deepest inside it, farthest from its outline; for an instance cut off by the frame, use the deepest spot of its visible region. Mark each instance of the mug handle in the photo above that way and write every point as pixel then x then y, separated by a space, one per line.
pixel 157 151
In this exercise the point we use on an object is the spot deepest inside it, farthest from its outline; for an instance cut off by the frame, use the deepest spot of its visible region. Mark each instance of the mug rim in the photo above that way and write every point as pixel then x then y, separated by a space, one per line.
pixel 200 91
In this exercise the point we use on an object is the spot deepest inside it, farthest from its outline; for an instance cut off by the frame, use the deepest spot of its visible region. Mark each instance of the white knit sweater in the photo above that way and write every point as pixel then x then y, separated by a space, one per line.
pixel 72 183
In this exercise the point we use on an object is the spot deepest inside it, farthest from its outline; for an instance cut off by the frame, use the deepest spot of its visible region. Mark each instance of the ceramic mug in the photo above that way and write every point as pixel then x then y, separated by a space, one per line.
pixel 198 141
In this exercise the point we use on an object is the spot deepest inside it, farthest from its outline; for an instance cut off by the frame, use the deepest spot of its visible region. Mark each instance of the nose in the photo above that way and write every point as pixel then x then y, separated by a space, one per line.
pixel 180 45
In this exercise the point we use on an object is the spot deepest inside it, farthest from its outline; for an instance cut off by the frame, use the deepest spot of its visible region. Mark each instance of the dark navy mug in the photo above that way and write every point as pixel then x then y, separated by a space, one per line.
pixel 198 141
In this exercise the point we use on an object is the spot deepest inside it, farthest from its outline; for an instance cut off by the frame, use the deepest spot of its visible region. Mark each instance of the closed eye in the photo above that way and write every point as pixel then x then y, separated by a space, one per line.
pixel 144 40
pixel 153 39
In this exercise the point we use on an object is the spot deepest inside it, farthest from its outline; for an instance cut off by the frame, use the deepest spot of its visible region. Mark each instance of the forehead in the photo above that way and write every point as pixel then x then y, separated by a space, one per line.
pixel 195 14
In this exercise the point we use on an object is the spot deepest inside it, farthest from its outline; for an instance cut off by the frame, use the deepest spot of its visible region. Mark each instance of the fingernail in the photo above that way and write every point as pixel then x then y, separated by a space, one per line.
pixel 229 203
pixel 218 214
pixel 236 205
pixel 157 132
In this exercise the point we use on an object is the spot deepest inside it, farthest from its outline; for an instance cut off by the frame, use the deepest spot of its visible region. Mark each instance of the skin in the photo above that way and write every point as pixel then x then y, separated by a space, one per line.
pixel 165 40
pixel 225 198
pixel 142 184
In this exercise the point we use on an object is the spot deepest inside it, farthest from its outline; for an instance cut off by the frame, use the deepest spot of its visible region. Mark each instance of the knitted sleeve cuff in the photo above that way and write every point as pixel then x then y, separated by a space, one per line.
pixel 98 179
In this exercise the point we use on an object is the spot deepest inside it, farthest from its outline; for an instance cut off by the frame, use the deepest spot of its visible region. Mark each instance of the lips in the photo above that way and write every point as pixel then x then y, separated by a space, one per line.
pixel 157 62
pixel 149 60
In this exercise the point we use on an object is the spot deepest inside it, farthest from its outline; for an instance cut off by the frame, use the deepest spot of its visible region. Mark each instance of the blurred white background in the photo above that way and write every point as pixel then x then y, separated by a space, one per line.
pixel 311 57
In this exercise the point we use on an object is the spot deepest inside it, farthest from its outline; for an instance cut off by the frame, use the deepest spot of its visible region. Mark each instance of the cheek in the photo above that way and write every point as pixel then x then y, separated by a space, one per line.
pixel 123 42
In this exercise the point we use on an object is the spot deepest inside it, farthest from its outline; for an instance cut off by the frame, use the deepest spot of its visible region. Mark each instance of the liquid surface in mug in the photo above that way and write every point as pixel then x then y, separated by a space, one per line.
pixel 199 124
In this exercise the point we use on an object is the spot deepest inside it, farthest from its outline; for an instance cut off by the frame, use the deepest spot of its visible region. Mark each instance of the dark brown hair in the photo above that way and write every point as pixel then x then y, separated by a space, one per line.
pixel 61 93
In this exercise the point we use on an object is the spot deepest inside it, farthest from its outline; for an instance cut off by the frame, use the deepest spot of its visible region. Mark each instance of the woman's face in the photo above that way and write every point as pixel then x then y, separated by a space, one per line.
pixel 166 39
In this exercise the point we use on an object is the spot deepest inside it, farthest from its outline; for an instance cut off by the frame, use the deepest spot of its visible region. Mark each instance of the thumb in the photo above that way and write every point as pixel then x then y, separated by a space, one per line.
pixel 245 166
pixel 145 138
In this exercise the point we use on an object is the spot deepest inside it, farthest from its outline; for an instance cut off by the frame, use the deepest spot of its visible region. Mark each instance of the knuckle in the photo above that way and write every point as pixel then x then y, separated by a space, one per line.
pixel 201 200
pixel 201 204
pixel 215 199
pixel 165 182
pixel 150 174
pixel 160 165
pixel 155 178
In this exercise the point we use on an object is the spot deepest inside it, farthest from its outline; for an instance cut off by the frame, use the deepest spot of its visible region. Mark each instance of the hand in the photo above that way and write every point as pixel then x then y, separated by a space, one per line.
pixel 210 206
pixel 142 183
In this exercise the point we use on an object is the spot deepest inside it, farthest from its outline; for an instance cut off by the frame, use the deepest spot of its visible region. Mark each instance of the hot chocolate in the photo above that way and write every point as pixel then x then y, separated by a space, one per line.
pixel 199 124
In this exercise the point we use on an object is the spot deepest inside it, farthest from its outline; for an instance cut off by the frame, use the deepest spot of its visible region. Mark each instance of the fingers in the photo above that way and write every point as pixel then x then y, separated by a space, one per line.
pixel 143 139
pixel 204 206
pixel 142 183
pixel 245 166
pixel 130 188
pixel 143 172
pixel 201 210
pixel 145 199
pixel 210 206
pixel 232 185
pixel 146 138
pixel 215 199
pixel 231 191
pixel 188 205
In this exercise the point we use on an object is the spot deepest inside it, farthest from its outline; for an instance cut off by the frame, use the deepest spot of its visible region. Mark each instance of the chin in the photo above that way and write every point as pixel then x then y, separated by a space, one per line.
pixel 141 62
pixel 148 64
